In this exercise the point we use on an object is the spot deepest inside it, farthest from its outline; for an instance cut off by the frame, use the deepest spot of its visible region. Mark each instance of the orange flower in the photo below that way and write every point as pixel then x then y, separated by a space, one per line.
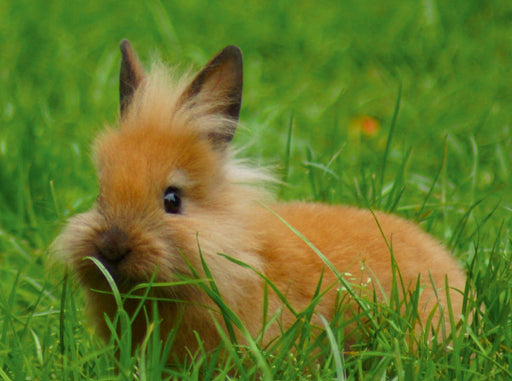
pixel 364 125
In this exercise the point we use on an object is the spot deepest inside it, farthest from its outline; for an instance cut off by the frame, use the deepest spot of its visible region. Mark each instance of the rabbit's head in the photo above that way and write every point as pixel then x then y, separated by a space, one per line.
pixel 168 187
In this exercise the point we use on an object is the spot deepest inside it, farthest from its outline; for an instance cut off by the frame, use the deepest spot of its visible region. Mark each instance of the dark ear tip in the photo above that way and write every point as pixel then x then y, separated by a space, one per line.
pixel 233 51
pixel 125 45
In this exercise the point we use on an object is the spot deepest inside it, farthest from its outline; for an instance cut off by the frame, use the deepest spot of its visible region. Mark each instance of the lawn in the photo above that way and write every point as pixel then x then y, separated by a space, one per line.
pixel 433 78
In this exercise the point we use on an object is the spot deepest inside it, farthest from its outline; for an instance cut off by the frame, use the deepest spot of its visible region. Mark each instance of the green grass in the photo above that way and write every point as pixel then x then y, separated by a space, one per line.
pixel 436 75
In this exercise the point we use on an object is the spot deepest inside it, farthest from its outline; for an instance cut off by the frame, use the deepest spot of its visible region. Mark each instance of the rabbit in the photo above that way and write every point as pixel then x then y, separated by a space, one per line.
pixel 174 201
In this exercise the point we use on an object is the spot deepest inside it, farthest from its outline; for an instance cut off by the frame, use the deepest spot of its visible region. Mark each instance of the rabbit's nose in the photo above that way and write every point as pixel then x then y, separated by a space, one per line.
pixel 113 245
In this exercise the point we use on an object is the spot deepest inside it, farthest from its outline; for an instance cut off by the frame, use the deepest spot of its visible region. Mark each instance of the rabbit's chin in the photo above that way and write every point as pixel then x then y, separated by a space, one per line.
pixel 130 278
pixel 94 272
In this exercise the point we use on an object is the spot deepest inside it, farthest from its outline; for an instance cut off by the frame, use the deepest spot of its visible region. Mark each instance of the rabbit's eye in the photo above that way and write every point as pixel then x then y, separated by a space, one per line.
pixel 172 200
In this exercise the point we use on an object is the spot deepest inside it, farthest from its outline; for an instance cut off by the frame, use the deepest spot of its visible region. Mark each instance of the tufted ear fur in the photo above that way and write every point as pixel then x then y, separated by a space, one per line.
pixel 130 76
pixel 219 84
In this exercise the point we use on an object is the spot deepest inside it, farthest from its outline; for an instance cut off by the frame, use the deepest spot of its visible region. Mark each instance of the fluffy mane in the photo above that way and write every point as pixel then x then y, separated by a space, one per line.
pixel 160 101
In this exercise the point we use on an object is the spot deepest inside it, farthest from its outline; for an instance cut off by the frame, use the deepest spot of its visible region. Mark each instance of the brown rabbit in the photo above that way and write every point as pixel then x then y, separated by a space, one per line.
pixel 171 195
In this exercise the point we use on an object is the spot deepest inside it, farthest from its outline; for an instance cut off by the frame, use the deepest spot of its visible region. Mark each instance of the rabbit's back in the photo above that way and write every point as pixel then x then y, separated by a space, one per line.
pixel 361 246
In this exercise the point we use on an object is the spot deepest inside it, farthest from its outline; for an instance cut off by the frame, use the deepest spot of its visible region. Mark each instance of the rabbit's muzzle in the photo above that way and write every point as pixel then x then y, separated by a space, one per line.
pixel 112 246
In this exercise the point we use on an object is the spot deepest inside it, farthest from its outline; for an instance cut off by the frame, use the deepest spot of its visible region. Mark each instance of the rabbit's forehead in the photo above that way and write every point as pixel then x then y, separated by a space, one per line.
pixel 148 161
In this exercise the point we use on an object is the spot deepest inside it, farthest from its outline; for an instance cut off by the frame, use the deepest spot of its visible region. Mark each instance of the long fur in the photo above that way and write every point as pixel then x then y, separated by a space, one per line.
pixel 165 140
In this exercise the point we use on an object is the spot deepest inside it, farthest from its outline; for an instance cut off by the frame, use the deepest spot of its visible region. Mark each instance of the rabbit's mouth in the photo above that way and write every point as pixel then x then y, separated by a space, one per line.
pixel 95 271
pixel 133 280
pixel 113 247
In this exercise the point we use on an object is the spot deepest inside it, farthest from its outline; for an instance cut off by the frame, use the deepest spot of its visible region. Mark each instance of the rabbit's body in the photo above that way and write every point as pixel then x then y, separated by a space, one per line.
pixel 169 190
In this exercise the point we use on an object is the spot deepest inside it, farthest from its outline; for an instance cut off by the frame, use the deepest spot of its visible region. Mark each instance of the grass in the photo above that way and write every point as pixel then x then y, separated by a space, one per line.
pixel 434 75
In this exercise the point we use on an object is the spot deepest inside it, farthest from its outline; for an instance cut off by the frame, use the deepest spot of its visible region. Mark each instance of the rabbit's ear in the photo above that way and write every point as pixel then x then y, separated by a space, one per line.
pixel 219 83
pixel 130 76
